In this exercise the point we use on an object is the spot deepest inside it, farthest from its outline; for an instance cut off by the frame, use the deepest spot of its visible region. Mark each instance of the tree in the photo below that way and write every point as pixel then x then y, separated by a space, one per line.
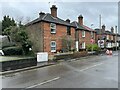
pixel 7 22
pixel 19 36
pixel 67 43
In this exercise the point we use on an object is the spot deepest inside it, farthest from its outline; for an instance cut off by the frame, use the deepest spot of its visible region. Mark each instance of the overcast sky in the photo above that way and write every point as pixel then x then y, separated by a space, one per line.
pixel 29 10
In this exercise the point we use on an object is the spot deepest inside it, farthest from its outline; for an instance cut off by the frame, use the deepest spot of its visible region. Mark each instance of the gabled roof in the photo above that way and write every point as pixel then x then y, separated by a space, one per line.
pixel 106 32
pixel 49 18
pixel 87 28
pixel 77 25
pixel 82 27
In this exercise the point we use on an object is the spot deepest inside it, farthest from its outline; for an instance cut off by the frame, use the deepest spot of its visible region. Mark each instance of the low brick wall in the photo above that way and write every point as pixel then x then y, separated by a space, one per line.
pixel 70 55
pixel 17 64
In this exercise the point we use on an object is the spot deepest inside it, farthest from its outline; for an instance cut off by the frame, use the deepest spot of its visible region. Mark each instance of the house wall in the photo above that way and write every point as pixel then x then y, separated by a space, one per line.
pixel 61 32
pixel 35 34
pixel 86 39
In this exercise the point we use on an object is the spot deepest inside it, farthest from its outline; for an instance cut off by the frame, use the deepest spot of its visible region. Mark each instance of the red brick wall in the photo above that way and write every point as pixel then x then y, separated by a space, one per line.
pixel 86 39
pixel 60 33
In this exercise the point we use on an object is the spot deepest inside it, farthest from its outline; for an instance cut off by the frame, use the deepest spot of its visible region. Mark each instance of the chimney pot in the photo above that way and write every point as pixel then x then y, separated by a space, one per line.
pixel 41 14
pixel 112 29
pixel 103 28
pixel 54 11
pixel 68 20
pixel 80 20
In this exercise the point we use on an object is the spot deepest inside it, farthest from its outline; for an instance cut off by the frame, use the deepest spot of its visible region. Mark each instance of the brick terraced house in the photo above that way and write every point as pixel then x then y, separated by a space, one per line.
pixel 83 34
pixel 51 34
pixel 47 32
pixel 109 39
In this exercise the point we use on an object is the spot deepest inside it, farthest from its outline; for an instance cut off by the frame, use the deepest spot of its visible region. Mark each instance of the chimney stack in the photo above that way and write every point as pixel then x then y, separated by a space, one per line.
pixel 103 28
pixel 41 14
pixel 54 11
pixel 80 20
pixel 112 29
pixel 68 20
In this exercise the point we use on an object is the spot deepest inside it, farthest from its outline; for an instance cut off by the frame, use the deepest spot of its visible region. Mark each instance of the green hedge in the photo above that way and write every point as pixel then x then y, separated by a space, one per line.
pixel 13 51
pixel 93 46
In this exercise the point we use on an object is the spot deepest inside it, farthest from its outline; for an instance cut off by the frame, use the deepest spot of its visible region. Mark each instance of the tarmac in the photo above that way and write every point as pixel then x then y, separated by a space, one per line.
pixel 39 65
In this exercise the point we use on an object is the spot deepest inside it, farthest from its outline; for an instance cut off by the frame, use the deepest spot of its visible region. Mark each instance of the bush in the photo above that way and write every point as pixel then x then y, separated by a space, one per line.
pixel 13 51
pixel 94 46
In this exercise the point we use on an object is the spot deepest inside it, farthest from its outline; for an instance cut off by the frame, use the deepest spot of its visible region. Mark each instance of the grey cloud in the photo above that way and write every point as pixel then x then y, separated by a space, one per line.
pixel 71 10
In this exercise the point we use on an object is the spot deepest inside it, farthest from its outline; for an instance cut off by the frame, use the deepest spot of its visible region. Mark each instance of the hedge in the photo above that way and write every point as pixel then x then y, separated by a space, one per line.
pixel 92 46
pixel 13 51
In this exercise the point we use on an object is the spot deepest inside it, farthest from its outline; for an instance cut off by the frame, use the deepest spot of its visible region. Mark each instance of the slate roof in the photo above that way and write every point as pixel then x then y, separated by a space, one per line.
pixel 49 18
pixel 87 28
pixel 82 27
pixel 106 32
pixel 77 25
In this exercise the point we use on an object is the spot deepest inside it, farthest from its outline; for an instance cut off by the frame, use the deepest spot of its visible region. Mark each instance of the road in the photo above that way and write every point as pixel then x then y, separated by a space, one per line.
pixel 90 72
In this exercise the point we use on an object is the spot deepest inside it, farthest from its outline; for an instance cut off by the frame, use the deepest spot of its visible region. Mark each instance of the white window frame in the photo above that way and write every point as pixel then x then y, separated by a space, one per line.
pixel 107 37
pixel 83 45
pixel 53 46
pixel 111 37
pixel 53 26
pixel 83 33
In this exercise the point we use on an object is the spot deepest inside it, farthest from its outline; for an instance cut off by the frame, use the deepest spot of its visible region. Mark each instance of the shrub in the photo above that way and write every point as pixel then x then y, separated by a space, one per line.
pixel 94 46
pixel 13 51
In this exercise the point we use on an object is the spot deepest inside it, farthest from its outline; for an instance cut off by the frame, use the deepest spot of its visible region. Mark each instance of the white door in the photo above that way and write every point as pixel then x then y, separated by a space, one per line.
pixel 77 46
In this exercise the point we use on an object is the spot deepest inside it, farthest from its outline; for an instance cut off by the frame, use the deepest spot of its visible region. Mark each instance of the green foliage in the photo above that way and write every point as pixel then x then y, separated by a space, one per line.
pixel 93 47
pixel 7 22
pixel 16 33
pixel 13 51
pixel 20 37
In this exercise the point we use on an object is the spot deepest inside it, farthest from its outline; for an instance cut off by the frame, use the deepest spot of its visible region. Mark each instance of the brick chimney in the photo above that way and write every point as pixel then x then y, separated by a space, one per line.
pixel 112 29
pixel 41 14
pixel 68 20
pixel 80 20
pixel 54 11
pixel 103 28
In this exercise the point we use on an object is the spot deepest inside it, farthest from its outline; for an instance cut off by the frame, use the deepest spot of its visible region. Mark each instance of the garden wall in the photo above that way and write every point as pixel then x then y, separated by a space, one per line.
pixel 17 64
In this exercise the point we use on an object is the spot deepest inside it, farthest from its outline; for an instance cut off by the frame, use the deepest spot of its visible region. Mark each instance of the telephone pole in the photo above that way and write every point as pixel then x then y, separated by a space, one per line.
pixel 116 37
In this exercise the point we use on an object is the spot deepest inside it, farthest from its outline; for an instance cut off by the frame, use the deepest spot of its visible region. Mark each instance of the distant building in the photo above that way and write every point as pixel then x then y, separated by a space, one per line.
pixel 107 38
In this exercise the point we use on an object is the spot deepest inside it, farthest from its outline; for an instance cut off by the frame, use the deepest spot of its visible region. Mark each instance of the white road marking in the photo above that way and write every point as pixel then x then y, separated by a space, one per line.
pixel 54 79
pixel 91 67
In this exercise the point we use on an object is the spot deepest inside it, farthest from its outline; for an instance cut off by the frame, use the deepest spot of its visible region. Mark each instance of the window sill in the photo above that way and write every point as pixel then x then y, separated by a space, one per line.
pixel 53 51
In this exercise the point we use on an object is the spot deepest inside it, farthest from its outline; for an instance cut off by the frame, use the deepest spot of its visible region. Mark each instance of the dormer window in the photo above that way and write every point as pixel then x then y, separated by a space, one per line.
pixel 53 28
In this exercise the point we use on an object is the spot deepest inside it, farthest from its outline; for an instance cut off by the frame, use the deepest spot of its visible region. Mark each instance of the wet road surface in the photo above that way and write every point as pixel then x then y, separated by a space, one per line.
pixel 90 72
